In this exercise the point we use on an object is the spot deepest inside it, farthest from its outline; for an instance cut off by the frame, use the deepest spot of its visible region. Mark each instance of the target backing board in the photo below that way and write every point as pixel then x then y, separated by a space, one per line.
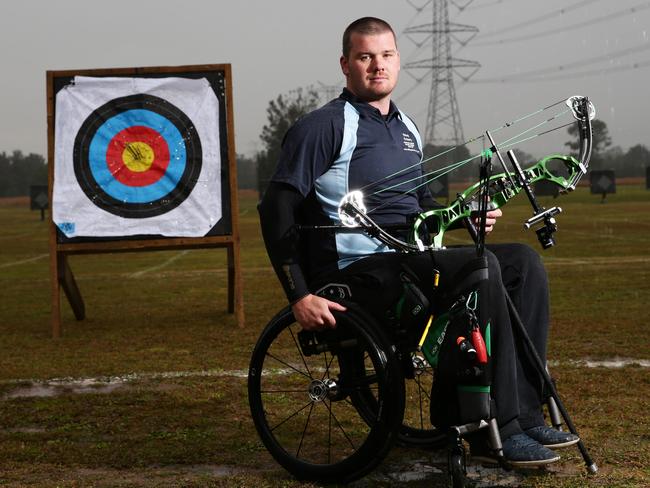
pixel 141 159
pixel 136 156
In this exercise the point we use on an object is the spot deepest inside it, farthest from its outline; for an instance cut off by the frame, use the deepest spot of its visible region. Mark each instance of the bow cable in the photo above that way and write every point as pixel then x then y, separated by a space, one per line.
pixel 440 172
pixel 469 141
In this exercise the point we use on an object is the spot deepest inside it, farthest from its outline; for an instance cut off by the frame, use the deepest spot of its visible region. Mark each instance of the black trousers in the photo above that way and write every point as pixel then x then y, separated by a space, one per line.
pixel 516 386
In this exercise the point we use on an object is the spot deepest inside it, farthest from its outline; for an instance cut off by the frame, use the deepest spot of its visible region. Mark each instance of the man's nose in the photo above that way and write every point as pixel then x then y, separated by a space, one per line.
pixel 377 64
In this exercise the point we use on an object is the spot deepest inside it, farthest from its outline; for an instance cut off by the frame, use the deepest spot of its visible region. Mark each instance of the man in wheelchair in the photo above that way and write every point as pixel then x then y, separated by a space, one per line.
pixel 362 140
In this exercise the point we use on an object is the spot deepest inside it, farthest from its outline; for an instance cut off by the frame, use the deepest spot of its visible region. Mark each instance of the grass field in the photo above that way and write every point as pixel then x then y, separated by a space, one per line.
pixel 150 389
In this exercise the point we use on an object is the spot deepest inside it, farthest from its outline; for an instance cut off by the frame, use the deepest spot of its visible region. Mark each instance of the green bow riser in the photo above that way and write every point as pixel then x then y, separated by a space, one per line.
pixel 501 190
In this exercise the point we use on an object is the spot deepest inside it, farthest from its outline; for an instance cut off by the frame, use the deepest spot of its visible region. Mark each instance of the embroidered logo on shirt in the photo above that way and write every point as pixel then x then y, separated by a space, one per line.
pixel 409 144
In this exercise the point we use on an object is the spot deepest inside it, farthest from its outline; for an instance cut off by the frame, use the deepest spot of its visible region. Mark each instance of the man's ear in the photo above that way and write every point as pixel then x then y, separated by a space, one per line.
pixel 344 66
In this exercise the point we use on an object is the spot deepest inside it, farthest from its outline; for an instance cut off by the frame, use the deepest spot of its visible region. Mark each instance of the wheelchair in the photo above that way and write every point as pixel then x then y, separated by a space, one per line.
pixel 329 405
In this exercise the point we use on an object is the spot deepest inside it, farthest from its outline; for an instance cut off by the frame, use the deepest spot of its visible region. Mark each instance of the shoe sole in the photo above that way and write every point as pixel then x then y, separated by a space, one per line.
pixel 531 464
pixel 522 464
pixel 562 445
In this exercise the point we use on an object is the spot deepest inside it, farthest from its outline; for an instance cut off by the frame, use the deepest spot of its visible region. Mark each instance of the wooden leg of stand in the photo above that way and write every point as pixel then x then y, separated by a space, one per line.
pixel 231 278
pixel 235 285
pixel 55 314
pixel 71 289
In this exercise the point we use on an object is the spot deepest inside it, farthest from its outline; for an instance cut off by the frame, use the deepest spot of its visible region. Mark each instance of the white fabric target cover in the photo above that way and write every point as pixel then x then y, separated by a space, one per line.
pixel 136 157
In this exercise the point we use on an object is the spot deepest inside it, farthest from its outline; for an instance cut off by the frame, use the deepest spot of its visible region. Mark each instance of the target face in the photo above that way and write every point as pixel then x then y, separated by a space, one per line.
pixel 137 156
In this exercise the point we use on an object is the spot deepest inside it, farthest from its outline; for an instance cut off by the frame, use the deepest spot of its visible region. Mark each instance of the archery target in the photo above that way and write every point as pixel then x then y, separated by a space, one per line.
pixel 137 156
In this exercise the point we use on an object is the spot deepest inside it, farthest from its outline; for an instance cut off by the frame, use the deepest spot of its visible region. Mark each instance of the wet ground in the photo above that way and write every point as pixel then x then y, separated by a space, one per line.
pixel 430 470
pixel 403 467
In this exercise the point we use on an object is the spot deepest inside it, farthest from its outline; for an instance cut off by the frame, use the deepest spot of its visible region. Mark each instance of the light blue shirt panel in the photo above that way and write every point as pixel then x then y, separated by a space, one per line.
pixel 332 186
pixel 411 126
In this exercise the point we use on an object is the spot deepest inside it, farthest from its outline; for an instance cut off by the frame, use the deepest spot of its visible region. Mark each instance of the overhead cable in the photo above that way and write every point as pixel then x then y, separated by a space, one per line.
pixel 597 20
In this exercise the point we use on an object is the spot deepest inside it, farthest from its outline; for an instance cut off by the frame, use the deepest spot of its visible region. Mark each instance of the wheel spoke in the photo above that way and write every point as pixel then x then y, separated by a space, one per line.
pixel 281 361
pixel 328 365
pixel 338 424
pixel 283 391
pixel 417 381
pixel 293 336
pixel 292 415
pixel 304 430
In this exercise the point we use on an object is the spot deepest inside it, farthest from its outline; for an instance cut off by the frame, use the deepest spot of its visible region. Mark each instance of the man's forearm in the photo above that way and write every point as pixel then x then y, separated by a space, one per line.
pixel 281 237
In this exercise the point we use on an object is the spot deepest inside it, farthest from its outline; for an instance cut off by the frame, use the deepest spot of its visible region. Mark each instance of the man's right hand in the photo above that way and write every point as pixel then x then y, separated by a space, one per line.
pixel 315 313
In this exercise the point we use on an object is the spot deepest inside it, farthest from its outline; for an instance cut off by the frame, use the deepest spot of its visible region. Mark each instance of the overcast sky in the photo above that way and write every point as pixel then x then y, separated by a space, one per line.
pixel 276 46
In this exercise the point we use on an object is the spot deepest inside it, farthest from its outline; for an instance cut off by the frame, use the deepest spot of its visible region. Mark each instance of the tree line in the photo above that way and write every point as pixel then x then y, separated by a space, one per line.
pixel 18 172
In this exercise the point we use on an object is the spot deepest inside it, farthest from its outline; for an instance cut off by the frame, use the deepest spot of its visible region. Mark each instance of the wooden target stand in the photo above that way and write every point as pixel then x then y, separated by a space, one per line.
pixel 226 232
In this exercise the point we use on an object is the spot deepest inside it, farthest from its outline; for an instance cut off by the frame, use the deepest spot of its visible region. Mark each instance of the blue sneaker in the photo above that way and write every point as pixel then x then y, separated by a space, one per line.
pixel 550 437
pixel 519 450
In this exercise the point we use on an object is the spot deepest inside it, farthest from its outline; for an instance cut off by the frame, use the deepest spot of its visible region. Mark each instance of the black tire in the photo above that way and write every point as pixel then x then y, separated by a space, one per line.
pixel 304 397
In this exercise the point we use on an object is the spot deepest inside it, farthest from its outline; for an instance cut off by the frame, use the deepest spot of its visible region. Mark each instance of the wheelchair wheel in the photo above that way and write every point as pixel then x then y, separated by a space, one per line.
pixel 304 389
pixel 416 429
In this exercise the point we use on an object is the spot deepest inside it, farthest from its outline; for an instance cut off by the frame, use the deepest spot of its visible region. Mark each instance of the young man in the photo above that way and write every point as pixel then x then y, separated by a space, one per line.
pixel 362 140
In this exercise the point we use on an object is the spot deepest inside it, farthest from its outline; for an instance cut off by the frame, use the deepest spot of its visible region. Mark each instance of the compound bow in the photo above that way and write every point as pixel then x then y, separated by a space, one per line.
pixel 501 188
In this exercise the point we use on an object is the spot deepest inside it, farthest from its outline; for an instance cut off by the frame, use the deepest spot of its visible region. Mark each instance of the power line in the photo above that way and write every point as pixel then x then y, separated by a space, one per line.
pixel 538 19
pixel 486 5
pixel 534 74
pixel 597 20
pixel 582 74
pixel 563 67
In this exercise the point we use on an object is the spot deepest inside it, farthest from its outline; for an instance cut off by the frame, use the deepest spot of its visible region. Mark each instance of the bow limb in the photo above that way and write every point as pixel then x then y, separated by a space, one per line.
pixel 584 112
pixel 354 212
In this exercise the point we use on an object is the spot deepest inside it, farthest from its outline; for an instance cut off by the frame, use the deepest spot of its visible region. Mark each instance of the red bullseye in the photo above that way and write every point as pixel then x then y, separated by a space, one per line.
pixel 137 156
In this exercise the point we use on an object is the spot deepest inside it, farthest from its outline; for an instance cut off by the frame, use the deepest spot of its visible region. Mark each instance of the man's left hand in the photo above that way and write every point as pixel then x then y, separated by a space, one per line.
pixel 490 221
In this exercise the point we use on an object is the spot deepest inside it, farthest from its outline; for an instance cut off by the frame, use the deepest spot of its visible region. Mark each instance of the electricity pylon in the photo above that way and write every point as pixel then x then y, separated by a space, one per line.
pixel 443 126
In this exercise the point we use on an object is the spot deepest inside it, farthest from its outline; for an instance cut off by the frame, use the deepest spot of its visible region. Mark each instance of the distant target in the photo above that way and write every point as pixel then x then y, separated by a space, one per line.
pixel 137 156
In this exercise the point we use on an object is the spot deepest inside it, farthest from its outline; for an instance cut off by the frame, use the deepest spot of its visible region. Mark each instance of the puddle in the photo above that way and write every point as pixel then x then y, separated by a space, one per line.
pixel 430 470
pixel 58 389
pixel 612 363
pixel 26 430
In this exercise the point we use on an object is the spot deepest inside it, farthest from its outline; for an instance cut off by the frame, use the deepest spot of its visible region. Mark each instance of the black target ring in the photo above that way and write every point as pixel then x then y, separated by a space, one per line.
pixel 159 198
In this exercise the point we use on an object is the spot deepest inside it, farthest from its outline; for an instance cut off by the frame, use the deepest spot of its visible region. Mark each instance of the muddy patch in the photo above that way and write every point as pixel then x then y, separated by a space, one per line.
pixel 58 389
pixel 430 470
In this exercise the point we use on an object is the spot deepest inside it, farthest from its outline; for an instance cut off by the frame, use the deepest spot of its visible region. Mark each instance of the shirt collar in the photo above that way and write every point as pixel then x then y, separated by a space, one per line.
pixel 366 108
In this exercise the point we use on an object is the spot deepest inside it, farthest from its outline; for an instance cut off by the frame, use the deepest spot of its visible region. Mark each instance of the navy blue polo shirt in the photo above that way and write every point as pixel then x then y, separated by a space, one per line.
pixel 349 145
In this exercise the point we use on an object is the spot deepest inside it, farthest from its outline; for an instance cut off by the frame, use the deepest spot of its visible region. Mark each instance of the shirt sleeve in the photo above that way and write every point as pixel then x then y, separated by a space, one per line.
pixel 309 148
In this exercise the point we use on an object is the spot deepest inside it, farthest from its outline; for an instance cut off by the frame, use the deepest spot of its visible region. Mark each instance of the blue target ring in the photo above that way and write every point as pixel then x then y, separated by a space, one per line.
pixel 137 194
pixel 149 113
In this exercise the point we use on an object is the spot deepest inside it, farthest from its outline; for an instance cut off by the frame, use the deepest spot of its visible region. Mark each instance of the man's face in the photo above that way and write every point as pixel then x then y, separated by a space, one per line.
pixel 372 67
